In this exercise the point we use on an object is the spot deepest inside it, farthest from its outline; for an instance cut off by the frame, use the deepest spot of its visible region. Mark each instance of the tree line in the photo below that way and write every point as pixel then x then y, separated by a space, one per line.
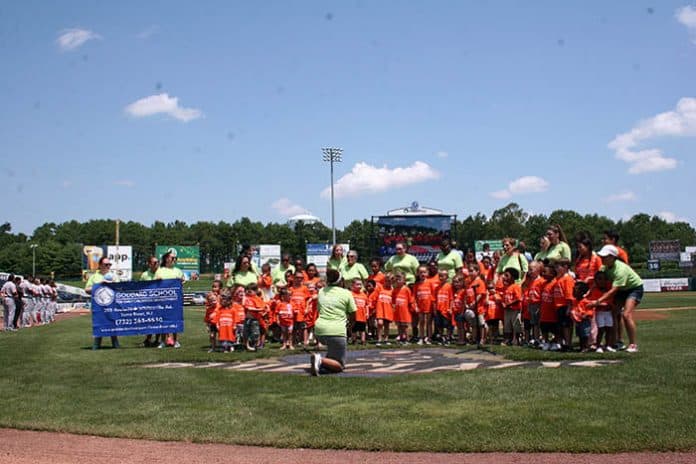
pixel 59 247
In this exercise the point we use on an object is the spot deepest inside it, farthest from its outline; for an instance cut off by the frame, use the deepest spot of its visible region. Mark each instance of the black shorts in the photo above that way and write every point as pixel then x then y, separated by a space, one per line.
pixel 548 326
pixel 359 326
pixel 564 318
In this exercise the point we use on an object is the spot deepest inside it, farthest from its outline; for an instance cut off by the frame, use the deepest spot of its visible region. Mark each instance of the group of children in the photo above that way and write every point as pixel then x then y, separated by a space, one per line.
pixel 539 309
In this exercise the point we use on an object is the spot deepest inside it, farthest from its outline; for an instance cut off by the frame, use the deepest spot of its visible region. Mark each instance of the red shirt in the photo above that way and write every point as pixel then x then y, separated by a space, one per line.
pixel 563 292
pixel 403 300
pixel 548 308
pixel 361 303
pixel 512 297
pixel 425 296
pixel 585 268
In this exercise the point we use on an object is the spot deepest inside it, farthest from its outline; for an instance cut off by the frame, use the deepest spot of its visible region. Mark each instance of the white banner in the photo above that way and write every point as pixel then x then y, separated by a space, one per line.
pixel 652 285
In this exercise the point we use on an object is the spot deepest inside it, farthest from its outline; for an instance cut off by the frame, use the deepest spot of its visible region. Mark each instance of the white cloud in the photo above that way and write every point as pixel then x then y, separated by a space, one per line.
pixel 162 104
pixel 442 154
pixel 678 123
pixel 671 217
pixel 148 32
pixel 365 179
pixel 124 183
pixel 525 184
pixel 623 196
pixel 287 208
pixel 70 39
pixel 687 16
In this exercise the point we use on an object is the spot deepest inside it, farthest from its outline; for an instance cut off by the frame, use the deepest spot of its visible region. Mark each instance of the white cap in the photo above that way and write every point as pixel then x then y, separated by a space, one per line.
pixel 608 250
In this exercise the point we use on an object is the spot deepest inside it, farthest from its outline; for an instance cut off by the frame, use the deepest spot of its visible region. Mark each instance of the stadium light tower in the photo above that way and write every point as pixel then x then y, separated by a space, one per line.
pixel 332 155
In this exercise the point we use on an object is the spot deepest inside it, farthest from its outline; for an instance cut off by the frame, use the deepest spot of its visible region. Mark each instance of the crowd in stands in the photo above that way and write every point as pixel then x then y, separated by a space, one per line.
pixel 502 298
pixel 28 302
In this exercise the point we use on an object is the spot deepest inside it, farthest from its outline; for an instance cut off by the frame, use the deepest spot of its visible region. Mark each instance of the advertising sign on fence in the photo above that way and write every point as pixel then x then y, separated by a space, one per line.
pixel 187 258
pixel 319 254
pixel 121 258
pixel 666 250
pixel 138 308
pixel 674 285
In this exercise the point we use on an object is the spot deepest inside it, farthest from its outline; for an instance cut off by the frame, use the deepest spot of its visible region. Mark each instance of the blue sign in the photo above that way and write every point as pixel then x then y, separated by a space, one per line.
pixel 133 308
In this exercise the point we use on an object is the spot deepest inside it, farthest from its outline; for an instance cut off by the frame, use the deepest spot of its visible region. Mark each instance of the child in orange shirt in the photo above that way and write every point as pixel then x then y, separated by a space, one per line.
pixel 361 314
pixel 254 324
pixel 512 305
pixel 582 313
pixel 299 296
pixel 443 305
pixel 563 299
pixel 372 296
pixel 226 316
pixel 476 304
pixel 458 307
pixel 531 300
pixel 266 282
pixel 548 315
pixel 212 303
pixel 286 318
pixel 403 302
pixel 603 314
pixel 495 312
pixel 377 275
pixel 425 300
pixel 384 309
pixel 312 278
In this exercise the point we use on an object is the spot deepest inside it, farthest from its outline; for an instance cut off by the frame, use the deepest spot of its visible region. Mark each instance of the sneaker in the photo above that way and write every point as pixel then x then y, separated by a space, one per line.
pixel 116 345
pixel 545 346
pixel 315 364
pixel 427 341
pixel 211 350
pixel 378 344
pixel 555 347
pixel 420 341
pixel 620 345
pixel 95 347
pixel 170 341
pixel 632 348
pixel 599 350
pixel 610 349
pixel 160 346
pixel 177 344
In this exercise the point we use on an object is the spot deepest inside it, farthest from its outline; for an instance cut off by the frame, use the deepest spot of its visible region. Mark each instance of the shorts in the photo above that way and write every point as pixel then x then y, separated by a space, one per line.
pixel 635 293
pixel 527 325
pixel 252 330
pixel 534 313
pixel 335 348
pixel 441 322
pixel 212 328
pixel 604 319
pixel 299 326
pixel 460 318
pixel 584 328
pixel 564 318
pixel 548 326
pixel 359 326
pixel 512 322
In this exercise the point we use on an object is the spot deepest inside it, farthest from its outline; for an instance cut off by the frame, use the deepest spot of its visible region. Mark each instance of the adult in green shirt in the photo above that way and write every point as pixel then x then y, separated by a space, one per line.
pixel 544 244
pixel 404 262
pixel 626 289
pixel 243 273
pixel 102 276
pixel 168 270
pixel 278 273
pixel 335 306
pixel 558 247
pixel 152 266
pixel 353 270
pixel 512 258
pixel 337 260
pixel 449 259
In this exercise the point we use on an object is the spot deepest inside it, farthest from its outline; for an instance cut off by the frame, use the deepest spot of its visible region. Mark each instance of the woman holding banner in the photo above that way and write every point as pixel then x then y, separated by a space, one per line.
pixel 168 270
pixel 103 275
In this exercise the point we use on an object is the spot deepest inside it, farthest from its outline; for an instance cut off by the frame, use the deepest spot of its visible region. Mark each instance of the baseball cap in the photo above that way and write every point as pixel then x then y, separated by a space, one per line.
pixel 608 250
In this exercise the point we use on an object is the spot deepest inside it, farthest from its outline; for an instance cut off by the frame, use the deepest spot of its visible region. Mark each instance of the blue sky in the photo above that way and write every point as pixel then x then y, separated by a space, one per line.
pixel 217 110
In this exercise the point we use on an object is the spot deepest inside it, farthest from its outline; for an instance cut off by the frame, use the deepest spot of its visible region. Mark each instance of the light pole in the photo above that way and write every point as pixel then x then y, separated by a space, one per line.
pixel 332 155
pixel 33 259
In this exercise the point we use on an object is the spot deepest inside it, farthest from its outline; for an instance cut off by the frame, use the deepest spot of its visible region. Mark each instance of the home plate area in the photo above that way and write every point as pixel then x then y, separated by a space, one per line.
pixel 376 363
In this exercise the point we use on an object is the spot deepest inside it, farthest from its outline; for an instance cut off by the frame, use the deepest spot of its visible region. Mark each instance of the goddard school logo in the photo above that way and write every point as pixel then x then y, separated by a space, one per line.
pixel 104 296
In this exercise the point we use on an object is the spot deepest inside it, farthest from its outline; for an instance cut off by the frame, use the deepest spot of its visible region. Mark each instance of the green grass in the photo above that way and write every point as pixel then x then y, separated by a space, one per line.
pixel 51 380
